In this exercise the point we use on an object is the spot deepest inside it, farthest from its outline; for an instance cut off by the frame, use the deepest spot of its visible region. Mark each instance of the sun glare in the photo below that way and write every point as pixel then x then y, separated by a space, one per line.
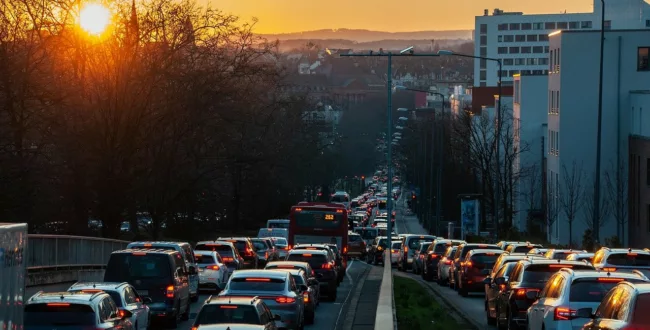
pixel 94 18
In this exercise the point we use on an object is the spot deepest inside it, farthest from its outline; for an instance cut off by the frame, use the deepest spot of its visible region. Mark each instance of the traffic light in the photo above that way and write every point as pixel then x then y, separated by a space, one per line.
pixel 413 196
pixel 363 177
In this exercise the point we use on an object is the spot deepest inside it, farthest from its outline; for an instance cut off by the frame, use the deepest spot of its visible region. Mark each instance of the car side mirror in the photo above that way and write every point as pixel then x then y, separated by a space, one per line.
pixel 124 314
pixel 500 281
pixel 303 288
pixel 487 280
pixel 146 300
pixel 485 272
pixel 277 317
pixel 585 313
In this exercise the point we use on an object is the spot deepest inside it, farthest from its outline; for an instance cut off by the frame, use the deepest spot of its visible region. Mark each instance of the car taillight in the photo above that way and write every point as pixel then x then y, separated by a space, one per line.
pixel 345 249
pixel 212 267
pixel 466 264
pixel 521 293
pixel 326 266
pixel 393 251
pixel 170 291
pixel 305 296
pixel 406 249
pixel 285 300
pixel 195 328
pixel 564 314
pixel 266 255
pixel 379 248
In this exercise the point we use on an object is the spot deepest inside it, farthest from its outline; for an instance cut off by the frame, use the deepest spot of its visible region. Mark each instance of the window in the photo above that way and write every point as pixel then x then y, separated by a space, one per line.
pixel 514 50
pixel 585 25
pixel 647 171
pixel 647 23
pixel 508 38
pixel 525 50
pixel 531 61
pixel 482 84
pixel 483 28
pixel 562 25
pixel 538 72
pixel 543 37
pixel 500 38
pixel 546 49
pixel 502 50
pixel 508 61
pixel 526 26
pixel 520 61
pixel 542 61
pixel 642 62
pixel 557 102
pixel 538 49
pixel 531 37
pixel 608 25
pixel 538 26
pixel 574 25
pixel 483 63
pixel 483 40
pixel 504 73
pixel 549 25
pixel 520 38
pixel 483 75
pixel 503 27
pixel 483 51
pixel 514 26
pixel 513 73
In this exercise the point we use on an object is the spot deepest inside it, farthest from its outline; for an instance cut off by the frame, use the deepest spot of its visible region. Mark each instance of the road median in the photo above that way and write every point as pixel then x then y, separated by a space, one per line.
pixel 385 318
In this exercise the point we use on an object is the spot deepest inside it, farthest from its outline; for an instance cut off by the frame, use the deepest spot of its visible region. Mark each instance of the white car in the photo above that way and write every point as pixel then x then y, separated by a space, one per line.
pixel 125 297
pixel 394 252
pixel 213 273
pixel 569 290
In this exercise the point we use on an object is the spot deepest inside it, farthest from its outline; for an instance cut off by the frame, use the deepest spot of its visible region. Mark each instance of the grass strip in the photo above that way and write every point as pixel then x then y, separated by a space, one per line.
pixel 417 310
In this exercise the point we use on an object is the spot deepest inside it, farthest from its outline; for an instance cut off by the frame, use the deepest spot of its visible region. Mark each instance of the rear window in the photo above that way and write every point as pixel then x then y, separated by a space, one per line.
pixel 260 245
pixel 220 314
pixel 153 246
pixel 354 204
pixel 222 249
pixel 523 249
pixel 256 284
pixel 368 234
pixel 354 238
pixel 414 242
pixel 298 279
pixel 318 219
pixel 641 315
pixel 204 259
pixel 314 260
pixel 61 315
pixel 125 267
pixel 340 199
pixel 280 241
pixel 239 245
pixel 541 273
pixel 440 248
pixel 625 259
pixel 424 247
pixel 593 290
pixel 560 255
pixel 484 259
pixel 278 225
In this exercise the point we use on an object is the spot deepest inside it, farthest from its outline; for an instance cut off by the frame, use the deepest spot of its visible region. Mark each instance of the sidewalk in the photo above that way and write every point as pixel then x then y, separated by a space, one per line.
pixel 362 310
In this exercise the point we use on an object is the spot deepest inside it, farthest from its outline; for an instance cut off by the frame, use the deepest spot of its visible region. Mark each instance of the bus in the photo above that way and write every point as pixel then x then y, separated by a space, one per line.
pixel 315 222
pixel 277 223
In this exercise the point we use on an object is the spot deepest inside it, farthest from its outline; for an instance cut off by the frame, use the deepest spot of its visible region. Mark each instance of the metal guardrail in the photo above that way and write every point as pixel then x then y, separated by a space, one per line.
pixel 385 319
pixel 53 252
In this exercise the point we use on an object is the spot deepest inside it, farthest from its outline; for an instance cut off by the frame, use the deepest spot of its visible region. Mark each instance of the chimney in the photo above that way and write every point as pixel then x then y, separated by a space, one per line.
pixel 486 12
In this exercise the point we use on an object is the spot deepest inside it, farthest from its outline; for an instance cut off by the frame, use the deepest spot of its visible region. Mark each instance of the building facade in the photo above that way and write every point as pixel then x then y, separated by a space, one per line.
pixel 573 86
pixel 521 41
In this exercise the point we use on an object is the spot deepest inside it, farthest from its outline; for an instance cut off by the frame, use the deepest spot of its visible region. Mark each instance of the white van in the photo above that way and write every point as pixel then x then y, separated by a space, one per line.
pixel 277 223
pixel 273 232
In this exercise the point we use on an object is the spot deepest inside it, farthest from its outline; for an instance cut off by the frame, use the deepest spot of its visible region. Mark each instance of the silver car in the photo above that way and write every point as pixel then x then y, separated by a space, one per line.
pixel 279 291
pixel 444 265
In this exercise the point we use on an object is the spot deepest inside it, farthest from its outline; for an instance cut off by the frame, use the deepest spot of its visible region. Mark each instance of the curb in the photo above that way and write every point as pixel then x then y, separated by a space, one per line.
pixel 350 305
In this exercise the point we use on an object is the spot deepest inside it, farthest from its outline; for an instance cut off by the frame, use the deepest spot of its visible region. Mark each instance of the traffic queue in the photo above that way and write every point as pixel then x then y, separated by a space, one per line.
pixel 527 286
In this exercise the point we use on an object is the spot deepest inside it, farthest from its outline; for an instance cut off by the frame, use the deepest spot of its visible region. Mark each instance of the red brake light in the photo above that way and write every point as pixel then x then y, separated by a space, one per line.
pixel 609 269
pixel 169 291
pixel 406 249
pixel 298 209
pixel 609 279
pixel 120 313
pixel 194 328
pixel 339 211
pixel 305 296
pixel 326 266
pixel 285 300
pixel 228 307
pixel 258 280
pixel 561 266
pixel 564 314
pixel 521 293
pixel 228 259
pixel 58 305
pixel 212 267
pixel 139 253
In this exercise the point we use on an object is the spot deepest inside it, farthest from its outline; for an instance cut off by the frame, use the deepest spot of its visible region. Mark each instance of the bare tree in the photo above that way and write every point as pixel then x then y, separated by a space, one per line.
pixel 510 167
pixel 571 194
pixel 589 207
pixel 617 192
pixel 552 210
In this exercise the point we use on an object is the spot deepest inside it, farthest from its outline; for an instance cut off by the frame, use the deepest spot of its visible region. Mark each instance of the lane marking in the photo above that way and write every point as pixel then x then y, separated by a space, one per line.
pixel 347 297
pixel 347 273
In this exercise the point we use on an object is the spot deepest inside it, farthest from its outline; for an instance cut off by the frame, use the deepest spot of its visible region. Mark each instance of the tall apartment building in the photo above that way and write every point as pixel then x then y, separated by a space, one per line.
pixel 521 41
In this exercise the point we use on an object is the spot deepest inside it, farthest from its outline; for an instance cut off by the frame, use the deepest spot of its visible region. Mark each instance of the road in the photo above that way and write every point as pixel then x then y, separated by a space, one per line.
pixel 472 307
pixel 328 314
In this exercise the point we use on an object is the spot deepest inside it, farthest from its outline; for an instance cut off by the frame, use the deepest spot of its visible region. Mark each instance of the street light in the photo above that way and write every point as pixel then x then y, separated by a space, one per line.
pixel 402 110
pixel 498 128
pixel 399 127
pixel 403 118
pixel 596 212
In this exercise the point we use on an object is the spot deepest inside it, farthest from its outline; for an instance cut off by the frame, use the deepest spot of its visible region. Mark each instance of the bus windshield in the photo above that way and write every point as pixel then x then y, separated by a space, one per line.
pixel 318 219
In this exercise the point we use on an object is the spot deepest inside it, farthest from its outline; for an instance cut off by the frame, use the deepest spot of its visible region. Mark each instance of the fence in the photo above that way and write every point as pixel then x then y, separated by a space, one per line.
pixel 53 252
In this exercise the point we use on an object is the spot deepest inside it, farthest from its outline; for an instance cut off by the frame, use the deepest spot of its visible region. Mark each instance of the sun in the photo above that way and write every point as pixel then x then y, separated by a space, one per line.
pixel 94 18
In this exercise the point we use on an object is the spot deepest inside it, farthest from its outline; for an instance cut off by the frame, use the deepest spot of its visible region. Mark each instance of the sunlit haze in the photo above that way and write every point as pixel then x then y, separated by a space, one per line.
pixel 94 18
pixel 282 16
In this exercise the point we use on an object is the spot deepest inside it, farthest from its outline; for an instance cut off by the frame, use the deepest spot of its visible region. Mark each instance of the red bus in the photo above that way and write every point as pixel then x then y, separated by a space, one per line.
pixel 319 222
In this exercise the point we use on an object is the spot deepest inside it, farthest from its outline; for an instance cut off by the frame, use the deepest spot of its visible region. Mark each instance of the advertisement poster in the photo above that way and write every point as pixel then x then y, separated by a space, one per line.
pixel 470 217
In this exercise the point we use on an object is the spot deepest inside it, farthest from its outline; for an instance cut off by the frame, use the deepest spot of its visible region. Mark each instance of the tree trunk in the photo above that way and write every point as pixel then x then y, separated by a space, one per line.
pixel 571 233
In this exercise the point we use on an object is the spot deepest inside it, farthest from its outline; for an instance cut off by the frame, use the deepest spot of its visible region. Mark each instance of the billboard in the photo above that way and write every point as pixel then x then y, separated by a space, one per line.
pixel 470 217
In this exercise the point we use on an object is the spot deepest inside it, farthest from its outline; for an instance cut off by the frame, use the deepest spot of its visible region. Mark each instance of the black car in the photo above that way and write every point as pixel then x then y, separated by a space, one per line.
pixel 434 254
pixel 323 265
pixel 265 250
pixel 246 249
pixel 461 252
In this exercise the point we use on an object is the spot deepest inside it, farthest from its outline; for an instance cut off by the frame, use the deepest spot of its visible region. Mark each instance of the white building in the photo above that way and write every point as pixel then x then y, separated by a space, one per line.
pixel 572 126
pixel 521 41
pixel 530 104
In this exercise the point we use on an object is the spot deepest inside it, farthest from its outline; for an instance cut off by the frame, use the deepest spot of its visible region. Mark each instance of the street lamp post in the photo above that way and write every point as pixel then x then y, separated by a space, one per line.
pixel 596 211
pixel 497 133
pixel 389 88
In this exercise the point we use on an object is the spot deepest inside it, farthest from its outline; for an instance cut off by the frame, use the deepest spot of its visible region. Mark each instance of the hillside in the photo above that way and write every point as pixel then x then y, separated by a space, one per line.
pixel 426 45
pixel 369 36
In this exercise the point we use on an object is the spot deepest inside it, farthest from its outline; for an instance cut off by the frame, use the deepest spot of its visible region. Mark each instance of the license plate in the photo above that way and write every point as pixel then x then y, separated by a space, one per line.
pixel 201 270
pixel 143 292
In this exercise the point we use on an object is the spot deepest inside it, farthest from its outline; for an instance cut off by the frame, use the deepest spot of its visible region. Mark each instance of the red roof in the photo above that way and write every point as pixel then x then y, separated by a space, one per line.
pixel 485 96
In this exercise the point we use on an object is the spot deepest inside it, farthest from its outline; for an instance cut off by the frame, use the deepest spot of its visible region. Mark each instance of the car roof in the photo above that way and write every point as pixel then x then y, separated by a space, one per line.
pixel 304 251
pixel 265 273
pixel 233 238
pixel 145 251
pixel 158 243
pixel 84 298
pixel 285 262
pixel 215 243
pixel 483 251
pixel 585 273
pixel 98 285
pixel 544 261
pixel 292 271
pixel 640 287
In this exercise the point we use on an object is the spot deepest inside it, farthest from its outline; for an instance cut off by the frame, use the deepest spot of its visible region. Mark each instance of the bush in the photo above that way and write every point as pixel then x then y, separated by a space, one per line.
pixel 613 242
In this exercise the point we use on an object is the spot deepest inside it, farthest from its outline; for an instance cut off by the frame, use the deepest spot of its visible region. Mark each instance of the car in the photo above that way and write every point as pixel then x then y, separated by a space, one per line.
pixel 282 245
pixel 213 272
pixel 560 253
pixel 569 290
pixel 522 247
pixel 341 261
pixel 309 296
pixel 418 257
pixel 433 255
pixel 265 251
pixel 312 282
pixel 338 265
pixel 75 310
pixel 444 266
pixel 235 313
pixel 356 245
pixel 624 307
pixel 411 243
pixel 459 257
pixel 581 256
pixel 229 254
pixel 609 259
pixel 323 264
pixel 125 297
pixel 277 289
pixel 160 275
pixel 394 252
pixel 475 268
pixel 187 253
pixel 246 250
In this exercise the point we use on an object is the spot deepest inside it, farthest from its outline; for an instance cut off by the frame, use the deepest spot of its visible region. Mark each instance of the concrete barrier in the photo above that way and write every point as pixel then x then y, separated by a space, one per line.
pixel 64 276
pixel 386 318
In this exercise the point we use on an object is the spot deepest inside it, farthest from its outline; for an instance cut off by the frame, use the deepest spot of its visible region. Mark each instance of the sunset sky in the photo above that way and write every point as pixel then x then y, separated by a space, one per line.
pixel 280 16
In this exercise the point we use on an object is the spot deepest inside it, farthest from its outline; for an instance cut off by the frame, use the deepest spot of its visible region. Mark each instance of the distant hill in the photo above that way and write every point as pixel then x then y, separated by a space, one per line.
pixel 368 35
pixel 388 44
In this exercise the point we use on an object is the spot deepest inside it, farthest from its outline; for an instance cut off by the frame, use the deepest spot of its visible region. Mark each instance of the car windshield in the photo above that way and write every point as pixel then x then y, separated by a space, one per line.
pixel 124 267
pixel 220 314
pixel 592 289
pixel 256 284
pixel 224 250
pixel 62 315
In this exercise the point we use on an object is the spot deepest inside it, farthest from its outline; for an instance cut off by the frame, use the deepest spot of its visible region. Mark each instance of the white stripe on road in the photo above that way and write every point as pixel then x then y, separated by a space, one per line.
pixel 347 273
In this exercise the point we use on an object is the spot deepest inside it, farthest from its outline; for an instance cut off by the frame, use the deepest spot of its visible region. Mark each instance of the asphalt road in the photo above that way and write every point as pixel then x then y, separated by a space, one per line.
pixel 328 314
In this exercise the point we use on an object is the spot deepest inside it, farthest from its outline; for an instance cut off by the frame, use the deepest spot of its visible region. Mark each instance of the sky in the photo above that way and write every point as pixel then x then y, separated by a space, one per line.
pixel 283 16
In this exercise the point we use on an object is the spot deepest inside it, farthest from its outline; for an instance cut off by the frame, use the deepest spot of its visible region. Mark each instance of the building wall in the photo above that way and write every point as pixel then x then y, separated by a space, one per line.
pixel 572 120
pixel 493 31
pixel 530 105
pixel 638 225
